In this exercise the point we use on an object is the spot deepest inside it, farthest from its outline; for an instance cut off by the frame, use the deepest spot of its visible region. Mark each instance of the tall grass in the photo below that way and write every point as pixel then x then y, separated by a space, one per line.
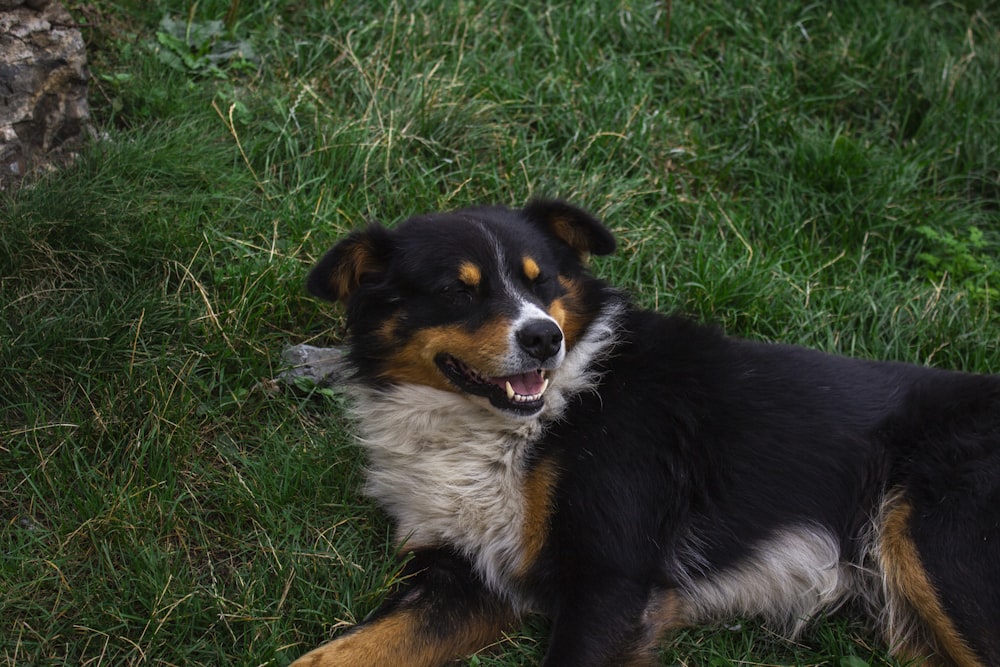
pixel 817 174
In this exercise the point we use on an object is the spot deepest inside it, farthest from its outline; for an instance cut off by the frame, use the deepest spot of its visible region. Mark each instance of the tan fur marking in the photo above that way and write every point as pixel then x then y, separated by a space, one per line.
pixel 557 310
pixel 664 612
pixel 347 275
pixel 905 574
pixel 530 268
pixel 564 311
pixel 470 274
pixel 539 486
pixel 387 330
pixel 482 349
pixel 566 229
pixel 401 639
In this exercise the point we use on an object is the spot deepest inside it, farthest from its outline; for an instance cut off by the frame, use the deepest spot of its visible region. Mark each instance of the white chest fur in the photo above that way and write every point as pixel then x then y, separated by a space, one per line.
pixel 448 472
pixel 451 470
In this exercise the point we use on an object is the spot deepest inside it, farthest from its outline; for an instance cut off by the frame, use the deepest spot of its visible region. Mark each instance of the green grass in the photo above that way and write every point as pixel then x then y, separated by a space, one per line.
pixel 817 174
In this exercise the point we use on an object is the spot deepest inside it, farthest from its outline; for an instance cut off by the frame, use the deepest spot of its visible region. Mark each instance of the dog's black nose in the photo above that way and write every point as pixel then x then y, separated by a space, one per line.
pixel 540 338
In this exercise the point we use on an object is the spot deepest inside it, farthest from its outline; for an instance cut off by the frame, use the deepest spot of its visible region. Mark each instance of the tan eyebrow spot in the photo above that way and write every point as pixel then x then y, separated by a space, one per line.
pixel 530 267
pixel 469 274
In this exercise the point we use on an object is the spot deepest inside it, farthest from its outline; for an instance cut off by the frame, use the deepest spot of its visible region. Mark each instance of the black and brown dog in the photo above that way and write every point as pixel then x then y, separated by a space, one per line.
pixel 542 445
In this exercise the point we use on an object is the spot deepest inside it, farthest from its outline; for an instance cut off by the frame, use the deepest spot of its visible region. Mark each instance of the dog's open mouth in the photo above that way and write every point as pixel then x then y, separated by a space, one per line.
pixel 521 393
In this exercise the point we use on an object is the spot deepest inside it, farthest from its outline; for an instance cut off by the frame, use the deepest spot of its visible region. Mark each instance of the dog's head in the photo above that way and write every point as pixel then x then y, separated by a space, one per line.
pixel 482 302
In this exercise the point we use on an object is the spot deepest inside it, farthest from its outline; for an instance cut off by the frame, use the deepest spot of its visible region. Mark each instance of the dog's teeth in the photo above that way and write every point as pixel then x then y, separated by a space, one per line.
pixel 510 392
pixel 545 385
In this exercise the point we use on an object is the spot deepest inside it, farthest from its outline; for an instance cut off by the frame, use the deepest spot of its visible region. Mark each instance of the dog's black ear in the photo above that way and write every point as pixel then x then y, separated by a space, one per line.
pixel 573 226
pixel 343 268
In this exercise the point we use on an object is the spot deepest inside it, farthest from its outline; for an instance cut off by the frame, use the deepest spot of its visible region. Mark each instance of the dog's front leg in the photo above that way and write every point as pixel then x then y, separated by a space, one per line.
pixel 605 622
pixel 439 612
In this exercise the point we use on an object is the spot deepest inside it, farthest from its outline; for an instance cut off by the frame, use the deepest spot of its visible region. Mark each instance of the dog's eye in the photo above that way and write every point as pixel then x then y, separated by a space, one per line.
pixel 540 283
pixel 458 294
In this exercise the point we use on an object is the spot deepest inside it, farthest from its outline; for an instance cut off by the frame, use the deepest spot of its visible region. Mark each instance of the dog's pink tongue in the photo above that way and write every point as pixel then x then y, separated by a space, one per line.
pixel 525 384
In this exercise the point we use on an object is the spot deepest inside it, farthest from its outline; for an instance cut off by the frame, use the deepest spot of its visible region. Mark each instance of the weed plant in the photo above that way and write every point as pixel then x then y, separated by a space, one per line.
pixel 823 174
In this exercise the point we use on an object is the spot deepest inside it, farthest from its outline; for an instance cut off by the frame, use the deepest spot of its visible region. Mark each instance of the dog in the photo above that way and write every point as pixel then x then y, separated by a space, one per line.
pixel 542 445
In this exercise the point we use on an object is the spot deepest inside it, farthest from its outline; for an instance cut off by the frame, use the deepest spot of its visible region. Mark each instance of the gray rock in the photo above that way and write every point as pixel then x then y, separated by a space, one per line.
pixel 318 366
pixel 44 112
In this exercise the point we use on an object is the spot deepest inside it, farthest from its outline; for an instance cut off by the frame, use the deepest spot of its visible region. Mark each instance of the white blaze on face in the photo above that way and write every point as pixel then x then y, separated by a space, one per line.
pixel 527 311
